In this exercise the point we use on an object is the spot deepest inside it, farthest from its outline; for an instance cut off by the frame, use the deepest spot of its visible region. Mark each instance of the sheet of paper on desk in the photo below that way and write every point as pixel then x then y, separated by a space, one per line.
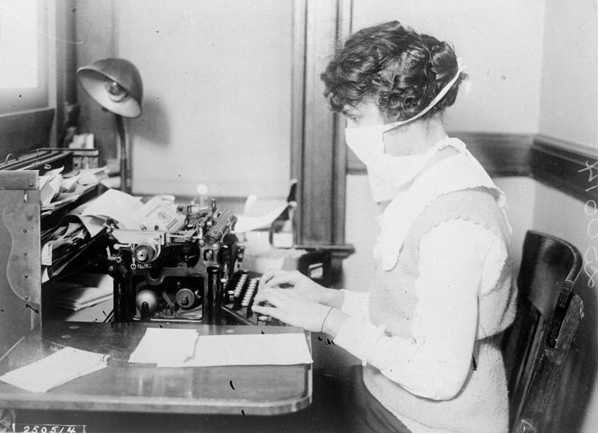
pixel 165 347
pixel 57 369
pixel 251 349
pixel 183 347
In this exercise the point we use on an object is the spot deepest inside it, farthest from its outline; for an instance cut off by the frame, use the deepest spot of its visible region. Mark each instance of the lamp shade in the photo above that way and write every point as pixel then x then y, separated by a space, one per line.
pixel 115 84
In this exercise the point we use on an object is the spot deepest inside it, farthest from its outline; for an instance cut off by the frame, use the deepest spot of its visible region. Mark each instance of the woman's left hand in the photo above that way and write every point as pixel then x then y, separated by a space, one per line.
pixel 292 308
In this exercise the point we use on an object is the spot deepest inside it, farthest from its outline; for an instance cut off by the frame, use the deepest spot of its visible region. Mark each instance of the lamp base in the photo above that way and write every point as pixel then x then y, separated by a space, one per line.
pixel 113 182
pixel 113 166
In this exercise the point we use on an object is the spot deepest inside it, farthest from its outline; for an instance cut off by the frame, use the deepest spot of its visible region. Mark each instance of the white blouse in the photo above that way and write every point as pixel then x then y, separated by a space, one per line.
pixel 459 260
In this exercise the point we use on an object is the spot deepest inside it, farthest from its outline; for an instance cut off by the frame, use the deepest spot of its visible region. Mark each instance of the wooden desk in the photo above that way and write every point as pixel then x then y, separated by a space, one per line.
pixel 124 387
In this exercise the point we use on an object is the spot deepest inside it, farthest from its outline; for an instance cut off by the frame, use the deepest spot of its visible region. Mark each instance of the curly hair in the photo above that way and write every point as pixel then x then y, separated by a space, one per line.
pixel 399 69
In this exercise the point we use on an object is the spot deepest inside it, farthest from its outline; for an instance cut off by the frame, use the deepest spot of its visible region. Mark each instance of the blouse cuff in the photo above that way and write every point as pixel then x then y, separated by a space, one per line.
pixel 359 338
pixel 356 304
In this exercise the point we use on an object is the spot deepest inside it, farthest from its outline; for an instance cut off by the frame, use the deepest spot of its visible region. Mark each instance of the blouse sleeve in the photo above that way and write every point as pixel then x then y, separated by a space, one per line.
pixel 356 304
pixel 458 261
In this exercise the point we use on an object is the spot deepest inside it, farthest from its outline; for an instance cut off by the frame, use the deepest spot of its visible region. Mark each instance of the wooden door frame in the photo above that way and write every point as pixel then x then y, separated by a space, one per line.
pixel 318 150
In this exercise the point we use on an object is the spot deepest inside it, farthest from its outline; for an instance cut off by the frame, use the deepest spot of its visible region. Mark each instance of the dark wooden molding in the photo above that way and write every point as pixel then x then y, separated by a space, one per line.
pixel 500 154
pixel 565 166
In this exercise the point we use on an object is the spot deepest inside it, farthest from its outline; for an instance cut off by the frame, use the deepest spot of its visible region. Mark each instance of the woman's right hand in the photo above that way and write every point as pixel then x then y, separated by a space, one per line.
pixel 301 284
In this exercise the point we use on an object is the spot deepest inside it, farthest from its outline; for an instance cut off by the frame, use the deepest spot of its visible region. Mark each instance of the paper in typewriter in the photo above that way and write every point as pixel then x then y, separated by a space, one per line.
pixel 179 348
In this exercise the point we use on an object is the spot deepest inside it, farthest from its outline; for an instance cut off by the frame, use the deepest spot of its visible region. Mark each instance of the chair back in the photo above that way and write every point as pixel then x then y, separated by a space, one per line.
pixel 548 314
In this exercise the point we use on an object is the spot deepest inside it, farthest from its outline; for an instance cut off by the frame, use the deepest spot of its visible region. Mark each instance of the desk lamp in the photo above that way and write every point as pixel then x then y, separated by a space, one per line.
pixel 116 85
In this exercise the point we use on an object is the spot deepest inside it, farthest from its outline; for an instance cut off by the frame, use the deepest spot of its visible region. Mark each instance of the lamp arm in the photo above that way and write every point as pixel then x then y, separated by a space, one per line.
pixel 124 154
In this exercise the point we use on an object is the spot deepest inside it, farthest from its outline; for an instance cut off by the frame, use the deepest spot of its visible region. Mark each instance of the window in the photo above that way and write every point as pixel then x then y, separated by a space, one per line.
pixel 23 55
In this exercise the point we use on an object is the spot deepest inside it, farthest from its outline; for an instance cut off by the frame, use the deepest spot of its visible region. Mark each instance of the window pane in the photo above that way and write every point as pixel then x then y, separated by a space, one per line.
pixel 18 44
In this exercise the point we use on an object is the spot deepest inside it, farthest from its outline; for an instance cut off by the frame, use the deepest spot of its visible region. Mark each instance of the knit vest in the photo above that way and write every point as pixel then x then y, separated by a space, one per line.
pixel 482 403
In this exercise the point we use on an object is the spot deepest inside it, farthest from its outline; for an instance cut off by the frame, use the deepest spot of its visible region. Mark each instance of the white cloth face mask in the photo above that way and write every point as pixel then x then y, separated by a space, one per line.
pixel 387 173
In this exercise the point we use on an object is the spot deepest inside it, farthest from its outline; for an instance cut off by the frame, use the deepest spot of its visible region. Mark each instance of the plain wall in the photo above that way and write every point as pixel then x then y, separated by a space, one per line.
pixel 569 98
pixel 217 83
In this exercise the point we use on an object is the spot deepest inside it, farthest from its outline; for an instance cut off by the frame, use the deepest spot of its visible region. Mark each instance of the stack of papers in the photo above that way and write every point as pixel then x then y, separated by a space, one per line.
pixel 78 292
pixel 58 189
pixel 182 348
pixel 61 245
pixel 55 370
pixel 58 240
pixel 82 297
pixel 165 347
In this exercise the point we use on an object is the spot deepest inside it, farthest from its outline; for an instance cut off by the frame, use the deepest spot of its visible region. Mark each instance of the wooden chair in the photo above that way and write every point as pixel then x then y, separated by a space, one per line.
pixel 548 314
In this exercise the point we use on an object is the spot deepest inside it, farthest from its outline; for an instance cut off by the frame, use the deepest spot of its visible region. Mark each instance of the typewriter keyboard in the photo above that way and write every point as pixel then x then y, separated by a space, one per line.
pixel 240 293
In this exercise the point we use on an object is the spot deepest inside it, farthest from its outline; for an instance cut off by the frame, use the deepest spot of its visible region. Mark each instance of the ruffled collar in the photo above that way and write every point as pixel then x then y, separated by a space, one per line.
pixel 455 173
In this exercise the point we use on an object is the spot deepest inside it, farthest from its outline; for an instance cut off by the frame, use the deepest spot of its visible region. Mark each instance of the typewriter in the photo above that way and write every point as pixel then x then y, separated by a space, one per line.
pixel 165 275
pixel 192 274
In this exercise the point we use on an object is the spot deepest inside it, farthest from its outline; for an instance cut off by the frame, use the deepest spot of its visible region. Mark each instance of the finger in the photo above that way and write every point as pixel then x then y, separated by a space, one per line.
pixel 289 278
pixel 266 290
pixel 271 311
pixel 265 310
pixel 283 294
pixel 260 296
pixel 294 296
pixel 268 294
pixel 268 275
pixel 273 296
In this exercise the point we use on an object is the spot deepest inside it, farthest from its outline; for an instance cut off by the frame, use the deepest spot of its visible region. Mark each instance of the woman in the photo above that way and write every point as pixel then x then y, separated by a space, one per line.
pixel 427 332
